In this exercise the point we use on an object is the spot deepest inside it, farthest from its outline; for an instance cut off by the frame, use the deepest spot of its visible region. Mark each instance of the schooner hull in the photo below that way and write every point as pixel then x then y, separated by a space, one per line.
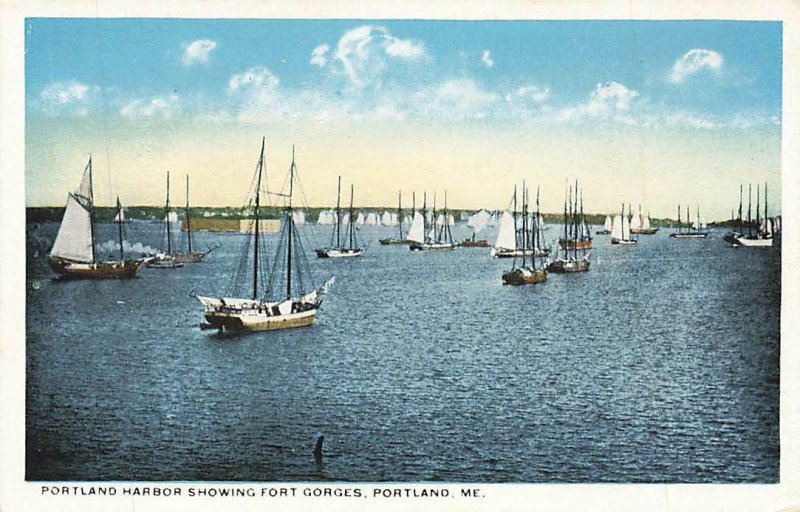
pixel 640 231
pixel 188 257
pixel 393 241
pixel 104 270
pixel 339 253
pixel 617 241
pixel 523 276
pixel 753 242
pixel 475 243
pixel 431 247
pixel 568 266
pixel 689 235
pixel 244 320
pixel 575 244
pixel 518 253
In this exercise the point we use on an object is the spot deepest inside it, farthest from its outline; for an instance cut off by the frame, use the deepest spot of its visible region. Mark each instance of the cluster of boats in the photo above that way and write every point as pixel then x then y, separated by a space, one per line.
pixel 283 294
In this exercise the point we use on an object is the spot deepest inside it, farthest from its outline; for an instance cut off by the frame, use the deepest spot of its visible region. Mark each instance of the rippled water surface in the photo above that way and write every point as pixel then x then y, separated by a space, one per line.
pixel 661 364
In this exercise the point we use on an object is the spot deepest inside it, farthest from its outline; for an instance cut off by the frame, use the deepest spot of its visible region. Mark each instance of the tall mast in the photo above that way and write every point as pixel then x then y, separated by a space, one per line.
pixel 169 228
pixel 119 228
pixel 91 210
pixel 446 228
pixel 582 223
pixel 256 216
pixel 188 222
pixel 699 227
pixel 400 213
pixel 749 206
pixel 566 220
pixel 434 219
pixel 537 236
pixel 339 214
pixel 424 216
pixel 688 219
pixel 740 208
pixel 524 220
pixel 290 225
pixel 350 229
pixel 766 216
pixel 514 213
pixel 680 224
pixel 622 222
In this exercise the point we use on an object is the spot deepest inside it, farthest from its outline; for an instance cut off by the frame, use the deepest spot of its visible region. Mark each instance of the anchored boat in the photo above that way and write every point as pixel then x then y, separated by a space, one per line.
pixel 338 248
pixel 573 257
pixel 525 272
pixel 401 239
pixel 690 232
pixel 438 237
pixel 621 230
pixel 285 298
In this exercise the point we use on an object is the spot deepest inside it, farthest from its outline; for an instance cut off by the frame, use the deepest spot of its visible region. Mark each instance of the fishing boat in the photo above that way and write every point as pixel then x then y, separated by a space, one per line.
pixel 432 237
pixel 74 254
pixel 606 227
pixel 526 272
pixel 401 239
pixel 621 230
pixel 580 237
pixel 573 258
pixel 691 232
pixel 640 224
pixel 760 235
pixel 165 260
pixel 287 297
pixel 338 248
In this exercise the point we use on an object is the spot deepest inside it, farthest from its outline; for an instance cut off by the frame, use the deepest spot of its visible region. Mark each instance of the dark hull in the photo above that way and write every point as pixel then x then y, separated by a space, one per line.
pixel 603 232
pixel 519 277
pixel 651 231
pixel 431 247
pixel 338 253
pixel 106 270
pixel 615 241
pixel 568 266
pixel 188 257
pixel 575 244
pixel 474 243
pixel 393 241
pixel 689 235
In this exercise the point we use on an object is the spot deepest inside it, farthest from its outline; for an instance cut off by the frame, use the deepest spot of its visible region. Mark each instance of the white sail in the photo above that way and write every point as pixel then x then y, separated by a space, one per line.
pixel 440 220
pixel 607 223
pixel 416 233
pixel 388 218
pixel 120 217
pixel 299 217
pixel 506 236
pixel 492 220
pixel 646 222
pixel 172 217
pixel 479 220
pixel 626 229
pixel 636 222
pixel 616 228
pixel 584 229
pixel 360 218
pixel 74 239
pixel 372 219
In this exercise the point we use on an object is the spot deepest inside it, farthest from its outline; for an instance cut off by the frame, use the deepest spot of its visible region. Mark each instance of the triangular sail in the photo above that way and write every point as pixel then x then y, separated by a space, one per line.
pixel 646 222
pixel 506 236
pixel 74 239
pixel 616 228
pixel 626 229
pixel 636 222
pixel 607 224
pixel 416 233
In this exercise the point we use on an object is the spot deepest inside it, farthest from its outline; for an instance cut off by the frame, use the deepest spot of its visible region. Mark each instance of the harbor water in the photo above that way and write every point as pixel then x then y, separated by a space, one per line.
pixel 660 364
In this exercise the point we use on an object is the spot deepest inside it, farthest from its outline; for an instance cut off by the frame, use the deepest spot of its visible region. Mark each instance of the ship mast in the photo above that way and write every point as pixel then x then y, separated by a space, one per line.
pixel 749 206
pixel 350 230
pixel 339 213
pixel 256 216
pixel 119 228
pixel 289 225
pixel 169 229
pixel 188 222
pixel 91 210
pixel 400 213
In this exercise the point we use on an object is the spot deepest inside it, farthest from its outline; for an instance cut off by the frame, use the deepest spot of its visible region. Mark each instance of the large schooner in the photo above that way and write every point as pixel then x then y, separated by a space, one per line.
pixel 689 232
pixel 571 257
pixel 268 307
pixel 74 254
pixel 763 233
pixel 640 224
pixel 525 273
pixel 437 238
pixel 621 229
pixel 338 247
pixel 578 235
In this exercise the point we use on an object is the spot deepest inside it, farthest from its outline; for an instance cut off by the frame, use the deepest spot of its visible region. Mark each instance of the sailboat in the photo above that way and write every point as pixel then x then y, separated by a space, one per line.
pixel 437 238
pixel 74 255
pixel 190 255
pixel 401 239
pixel 621 230
pixel 570 258
pixel 120 217
pixel 165 259
pixel 579 237
pixel 640 224
pixel 525 273
pixel 689 232
pixel 762 236
pixel 606 227
pixel 339 249
pixel 268 308
pixel 733 234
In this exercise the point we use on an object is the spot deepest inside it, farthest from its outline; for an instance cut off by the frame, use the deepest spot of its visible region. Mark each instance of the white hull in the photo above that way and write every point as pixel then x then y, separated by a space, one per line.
pixel 249 315
pixel 616 241
pixel 339 253
pixel 432 247
pixel 753 242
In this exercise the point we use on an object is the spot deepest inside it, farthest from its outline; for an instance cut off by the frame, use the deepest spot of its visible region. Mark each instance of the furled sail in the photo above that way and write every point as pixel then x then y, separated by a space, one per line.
pixel 506 236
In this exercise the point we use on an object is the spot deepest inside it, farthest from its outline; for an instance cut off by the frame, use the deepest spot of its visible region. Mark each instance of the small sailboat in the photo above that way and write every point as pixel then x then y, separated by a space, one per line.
pixel 640 224
pixel 762 234
pixel 190 255
pixel 437 238
pixel 580 237
pixel 690 231
pixel 606 227
pixel 574 258
pixel 74 254
pixel 120 217
pixel 165 260
pixel 338 248
pixel 733 234
pixel 525 273
pixel 294 303
pixel 621 230
pixel 401 239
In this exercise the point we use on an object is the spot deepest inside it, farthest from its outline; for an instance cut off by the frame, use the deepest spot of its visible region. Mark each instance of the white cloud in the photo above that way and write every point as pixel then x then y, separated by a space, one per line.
pixel 160 107
pixel 487 58
pixel 606 100
pixel 361 53
pixel 530 92
pixel 319 55
pixel 694 61
pixel 198 52
pixel 65 92
pixel 257 77
pixel 461 97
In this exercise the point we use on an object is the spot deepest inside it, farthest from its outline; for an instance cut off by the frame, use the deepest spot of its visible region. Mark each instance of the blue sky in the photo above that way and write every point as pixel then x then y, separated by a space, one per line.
pixel 583 79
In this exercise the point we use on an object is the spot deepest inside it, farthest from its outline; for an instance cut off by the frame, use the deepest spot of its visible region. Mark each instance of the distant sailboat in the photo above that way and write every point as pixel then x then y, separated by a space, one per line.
pixel 401 237
pixel 339 248
pixel 621 230
pixel 607 225
pixel 574 258
pixel 763 234
pixel 73 255
pixel 166 260
pixel 733 234
pixel 525 273
pixel 640 224
pixel 433 238
pixel 689 232
pixel 579 237
pixel 292 304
